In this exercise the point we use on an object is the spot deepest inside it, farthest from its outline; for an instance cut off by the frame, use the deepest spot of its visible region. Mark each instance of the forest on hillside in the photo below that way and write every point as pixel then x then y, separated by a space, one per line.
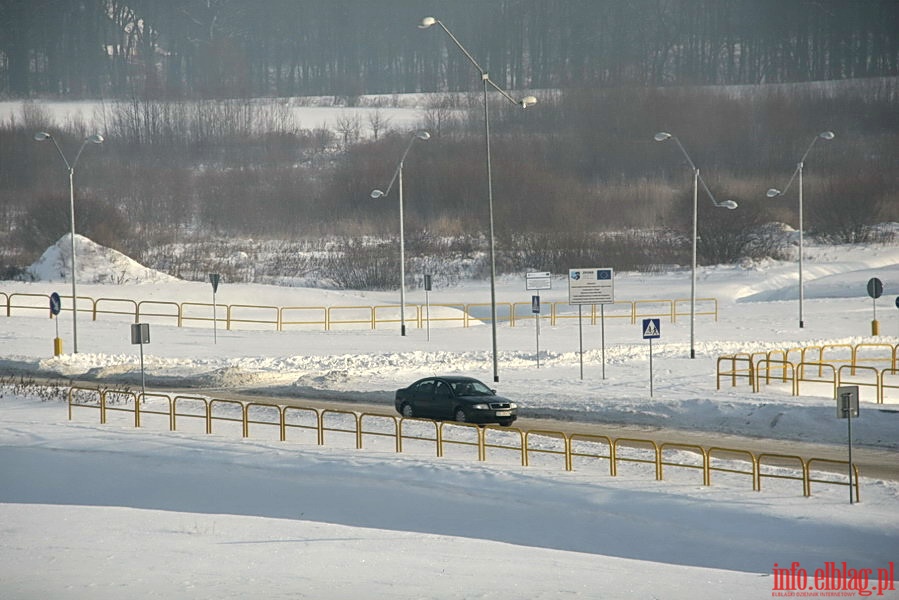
pixel 347 48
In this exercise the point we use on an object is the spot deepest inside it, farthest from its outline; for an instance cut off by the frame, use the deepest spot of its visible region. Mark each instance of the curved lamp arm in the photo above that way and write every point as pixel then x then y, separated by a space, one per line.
pixel 418 135
pixel 663 136
pixel 525 102
pixel 824 135
pixel 43 136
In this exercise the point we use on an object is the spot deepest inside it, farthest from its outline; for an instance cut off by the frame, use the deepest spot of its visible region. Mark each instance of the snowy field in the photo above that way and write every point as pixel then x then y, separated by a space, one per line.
pixel 90 511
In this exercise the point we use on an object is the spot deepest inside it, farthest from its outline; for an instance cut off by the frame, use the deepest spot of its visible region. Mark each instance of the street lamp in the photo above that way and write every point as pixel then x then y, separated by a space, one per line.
pixel 398 174
pixel 426 23
pixel 43 136
pixel 729 204
pixel 774 192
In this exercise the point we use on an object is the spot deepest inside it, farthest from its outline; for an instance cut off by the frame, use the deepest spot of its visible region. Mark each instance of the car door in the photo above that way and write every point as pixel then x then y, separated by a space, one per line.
pixel 443 399
pixel 423 397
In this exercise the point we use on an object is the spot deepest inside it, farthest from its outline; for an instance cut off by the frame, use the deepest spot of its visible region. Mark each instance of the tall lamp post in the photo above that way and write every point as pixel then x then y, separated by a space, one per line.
pixel 398 175
pixel 43 136
pixel 426 23
pixel 774 192
pixel 729 204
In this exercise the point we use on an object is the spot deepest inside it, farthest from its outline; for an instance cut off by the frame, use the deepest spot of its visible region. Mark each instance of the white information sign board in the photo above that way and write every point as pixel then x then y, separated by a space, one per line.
pixel 538 281
pixel 591 286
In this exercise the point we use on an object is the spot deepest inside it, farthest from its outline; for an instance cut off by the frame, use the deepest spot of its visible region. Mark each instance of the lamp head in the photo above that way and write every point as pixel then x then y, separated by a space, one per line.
pixel 427 22
pixel 826 135
pixel 728 204
pixel 773 193
pixel 42 136
pixel 528 101
pixel 95 139
pixel 376 194
pixel 662 136
pixel 422 135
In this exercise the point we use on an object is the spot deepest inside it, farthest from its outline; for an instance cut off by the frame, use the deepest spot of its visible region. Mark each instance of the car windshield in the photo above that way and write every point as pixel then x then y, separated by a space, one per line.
pixel 471 388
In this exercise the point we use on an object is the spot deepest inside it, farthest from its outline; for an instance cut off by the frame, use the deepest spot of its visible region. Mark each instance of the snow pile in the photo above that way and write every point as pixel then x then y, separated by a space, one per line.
pixel 95 264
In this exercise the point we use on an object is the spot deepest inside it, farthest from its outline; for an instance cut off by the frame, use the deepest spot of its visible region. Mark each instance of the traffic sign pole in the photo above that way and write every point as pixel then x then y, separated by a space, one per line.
pixel 652 328
pixel 580 330
pixel 535 308
pixel 55 307
pixel 847 404
pixel 602 322
pixel 875 290
pixel 214 279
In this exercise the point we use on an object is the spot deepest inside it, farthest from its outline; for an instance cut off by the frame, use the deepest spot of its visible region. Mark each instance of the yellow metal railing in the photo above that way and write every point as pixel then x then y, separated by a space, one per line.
pixel 842 367
pixel 566 447
pixel 328 317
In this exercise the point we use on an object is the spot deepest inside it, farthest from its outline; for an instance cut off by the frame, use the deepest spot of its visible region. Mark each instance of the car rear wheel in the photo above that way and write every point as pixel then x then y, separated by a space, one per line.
pixel 408 411
pixel 460 416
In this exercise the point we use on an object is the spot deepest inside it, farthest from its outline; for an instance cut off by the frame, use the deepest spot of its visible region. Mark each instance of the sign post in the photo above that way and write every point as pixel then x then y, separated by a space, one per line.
pixel 214 280
pixel 847 408
pixel 140 334
pixel 428 304
pixel 537 282
pixel 535 308
pixel 652 329
pixel 591 286
pixel 875 290
pixel 55 307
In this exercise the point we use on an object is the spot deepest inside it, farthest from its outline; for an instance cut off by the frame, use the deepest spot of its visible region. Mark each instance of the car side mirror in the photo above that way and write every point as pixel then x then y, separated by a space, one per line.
pixel 492 391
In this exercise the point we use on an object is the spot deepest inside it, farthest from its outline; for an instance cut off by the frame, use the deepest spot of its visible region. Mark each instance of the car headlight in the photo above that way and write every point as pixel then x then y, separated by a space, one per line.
pixel 512 405
pixel 480 407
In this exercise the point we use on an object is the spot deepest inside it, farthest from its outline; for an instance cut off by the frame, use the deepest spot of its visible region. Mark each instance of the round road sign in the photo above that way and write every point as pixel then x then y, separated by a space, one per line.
pixel 55 303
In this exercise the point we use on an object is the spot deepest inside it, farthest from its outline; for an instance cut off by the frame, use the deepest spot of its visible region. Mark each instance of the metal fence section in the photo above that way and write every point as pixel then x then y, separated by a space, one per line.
pixel 831 364
pixel 280 318
pixel 348 429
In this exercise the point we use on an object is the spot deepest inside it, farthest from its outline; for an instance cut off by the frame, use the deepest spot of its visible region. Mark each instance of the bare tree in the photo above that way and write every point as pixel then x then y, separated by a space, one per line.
pixel 349 126
pixel 378 123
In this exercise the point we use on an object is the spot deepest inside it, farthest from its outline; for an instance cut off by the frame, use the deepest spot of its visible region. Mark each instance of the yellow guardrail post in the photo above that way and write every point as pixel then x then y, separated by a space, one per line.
pixel 595 439
pixel 690 448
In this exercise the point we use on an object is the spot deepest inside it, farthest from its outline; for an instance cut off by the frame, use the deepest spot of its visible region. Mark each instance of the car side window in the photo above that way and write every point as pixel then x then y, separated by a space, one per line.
pixel 442 390
pixel 425 387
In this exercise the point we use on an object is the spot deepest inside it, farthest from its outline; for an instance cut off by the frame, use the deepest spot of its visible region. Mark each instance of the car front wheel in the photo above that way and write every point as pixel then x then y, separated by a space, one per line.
pixel 506 423
pixel 460 416
pixel 408 411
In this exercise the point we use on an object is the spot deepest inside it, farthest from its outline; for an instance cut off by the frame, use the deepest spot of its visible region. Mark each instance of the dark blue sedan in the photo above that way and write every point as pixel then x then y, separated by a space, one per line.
pixel 455 398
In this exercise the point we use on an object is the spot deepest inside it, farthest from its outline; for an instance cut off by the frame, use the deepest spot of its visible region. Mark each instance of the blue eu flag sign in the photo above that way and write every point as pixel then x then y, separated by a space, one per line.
pixel 604 274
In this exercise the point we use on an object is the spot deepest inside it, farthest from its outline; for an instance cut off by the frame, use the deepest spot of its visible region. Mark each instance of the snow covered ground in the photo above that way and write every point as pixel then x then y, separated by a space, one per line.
pixel 90 511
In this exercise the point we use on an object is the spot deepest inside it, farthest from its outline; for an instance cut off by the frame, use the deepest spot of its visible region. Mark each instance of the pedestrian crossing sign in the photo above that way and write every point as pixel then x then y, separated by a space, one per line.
pixel 652 329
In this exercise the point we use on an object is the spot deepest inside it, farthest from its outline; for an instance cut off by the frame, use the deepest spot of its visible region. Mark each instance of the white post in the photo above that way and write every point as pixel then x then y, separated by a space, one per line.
pixel 801 287
pixel 74 270
pixel 402 257
pixel 693 273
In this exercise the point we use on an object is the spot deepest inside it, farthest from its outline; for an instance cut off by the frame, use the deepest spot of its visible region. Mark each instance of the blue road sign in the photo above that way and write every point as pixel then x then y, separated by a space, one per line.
pixel 55 303
pixel 875 287
pixel 652 329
